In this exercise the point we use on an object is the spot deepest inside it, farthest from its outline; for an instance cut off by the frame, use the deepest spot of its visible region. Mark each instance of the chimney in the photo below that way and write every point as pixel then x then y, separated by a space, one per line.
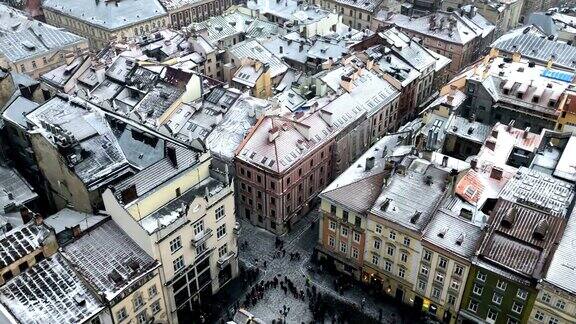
pixel 516 56
pixel 449 100
pixel 495 133
pixel 490 144
pixel 526 131
pixel 496 173
pixel 370 64
pixel 273 134
pixel 301 47
pixel 171 155
pixel 510 125
pixel 300 145
pixel 346 83
pixel 444 161
pixel 76 231
pixel 38 219
pixel 472 118
pixel 369 163
pixel 473 164
pixel 25 214
pixel 281 50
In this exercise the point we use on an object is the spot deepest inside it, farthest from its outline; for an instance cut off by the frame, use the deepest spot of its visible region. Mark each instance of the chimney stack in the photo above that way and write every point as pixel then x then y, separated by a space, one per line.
pixel 273 134
pixel 370 163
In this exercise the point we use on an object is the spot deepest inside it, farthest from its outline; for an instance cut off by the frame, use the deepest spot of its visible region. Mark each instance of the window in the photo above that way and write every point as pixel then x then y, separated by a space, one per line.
pixel 545 297
pixel 473 306
pixel 442 263
pixel 424 270
pixel 155 308
pixel 178 263
pixel 388 266
pixel 404 257
pixel 377 244
pixel 332 225
pixel 152 291
pixel 332 209
pixel 390 250
pixel 356 237
pixel 331 241
pixel 501 285
pixel 223 250
pixel 401 272
pixel 553 320
pixel 560 304
pixel 220 212
pixel 511 320
pixel 378 229
pixel 198 227
pixel 421 285
pixel 343 247
pixel 517 308
pixel 142 318
pixel 175 244
pixel 201 248
pixel 539 316
pixel 345 215
pixel 121 314
pixel 392 235
pixel 406 241
pixel 481 276
pixel 492 315
pixel 436 293
pixel 427 256
pixel 477 290
pixel 497 299
pixel 344 231
pixel 439 277
pixel 522 294
pixel 459 270
pixel 451 300
pixel 138 302
pixel 355 253
pixel 375 259
pixel 455 285
pixel 221 231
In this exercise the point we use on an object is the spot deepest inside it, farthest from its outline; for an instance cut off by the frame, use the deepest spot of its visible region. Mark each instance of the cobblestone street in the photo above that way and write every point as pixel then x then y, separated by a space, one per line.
pixel 302 239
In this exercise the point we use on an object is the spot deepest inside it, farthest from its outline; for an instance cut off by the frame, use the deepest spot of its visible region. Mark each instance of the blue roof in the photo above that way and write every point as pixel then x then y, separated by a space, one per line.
pixel 558 75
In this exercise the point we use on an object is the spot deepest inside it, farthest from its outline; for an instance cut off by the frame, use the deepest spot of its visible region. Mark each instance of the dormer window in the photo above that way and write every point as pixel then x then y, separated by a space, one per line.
pixel 509 218
pixel 541 230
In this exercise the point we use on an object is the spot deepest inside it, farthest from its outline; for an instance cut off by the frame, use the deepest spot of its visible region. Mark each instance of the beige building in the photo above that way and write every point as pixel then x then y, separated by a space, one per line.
pixel 504 14
pixel 104 21
pixel 180 210
pixel 184 12
pixel 356 14
pixel 33 47
pixel 121 272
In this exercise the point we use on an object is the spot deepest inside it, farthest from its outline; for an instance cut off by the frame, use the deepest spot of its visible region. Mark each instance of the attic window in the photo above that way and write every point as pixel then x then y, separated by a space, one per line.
pixel 443 232
pixel 415 217
pixel 460 239
pixel 385 204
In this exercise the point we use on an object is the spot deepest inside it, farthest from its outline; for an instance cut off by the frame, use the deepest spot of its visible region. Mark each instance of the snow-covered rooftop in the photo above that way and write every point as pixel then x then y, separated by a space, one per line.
pixel 49 292
pixel 108 15
pixel 14 190
pixel 109 259
pixel 22 38
pixel 453 233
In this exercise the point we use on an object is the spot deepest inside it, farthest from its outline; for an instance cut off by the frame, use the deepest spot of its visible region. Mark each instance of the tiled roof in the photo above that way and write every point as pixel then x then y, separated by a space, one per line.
pixel 532 44
pixel 22 38
pixel 106 14
pixel 254 50
pixel 49 292
pixel 453 234
pixel 109 259
pixel 517 247
pixel 21 241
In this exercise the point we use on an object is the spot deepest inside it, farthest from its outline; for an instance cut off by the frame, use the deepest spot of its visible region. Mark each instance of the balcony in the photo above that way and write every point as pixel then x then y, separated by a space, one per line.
pixel 201 238
pixel 225 259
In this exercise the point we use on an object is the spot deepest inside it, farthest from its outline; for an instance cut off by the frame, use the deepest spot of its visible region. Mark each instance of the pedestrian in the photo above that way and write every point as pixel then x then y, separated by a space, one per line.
pixel 265 264
pixel 379 315
pixel 283 252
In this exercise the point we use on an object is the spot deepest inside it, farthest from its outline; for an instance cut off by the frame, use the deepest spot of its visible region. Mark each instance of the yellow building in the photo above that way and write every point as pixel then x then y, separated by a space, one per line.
pixel 180 210
pixel 123 274
pixel 567 118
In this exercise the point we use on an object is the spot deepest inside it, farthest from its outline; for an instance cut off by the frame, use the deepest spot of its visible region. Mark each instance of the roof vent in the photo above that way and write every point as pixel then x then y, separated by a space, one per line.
pixel 115 276
pixel 133 264
pixel 415 217
pixel 460 239
pixel 370 163
pixel 428 180
pixel 385 204
pixel 80 299
pixel 541 230
pixel 443 232
pixel 496 173
pixel 509 218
